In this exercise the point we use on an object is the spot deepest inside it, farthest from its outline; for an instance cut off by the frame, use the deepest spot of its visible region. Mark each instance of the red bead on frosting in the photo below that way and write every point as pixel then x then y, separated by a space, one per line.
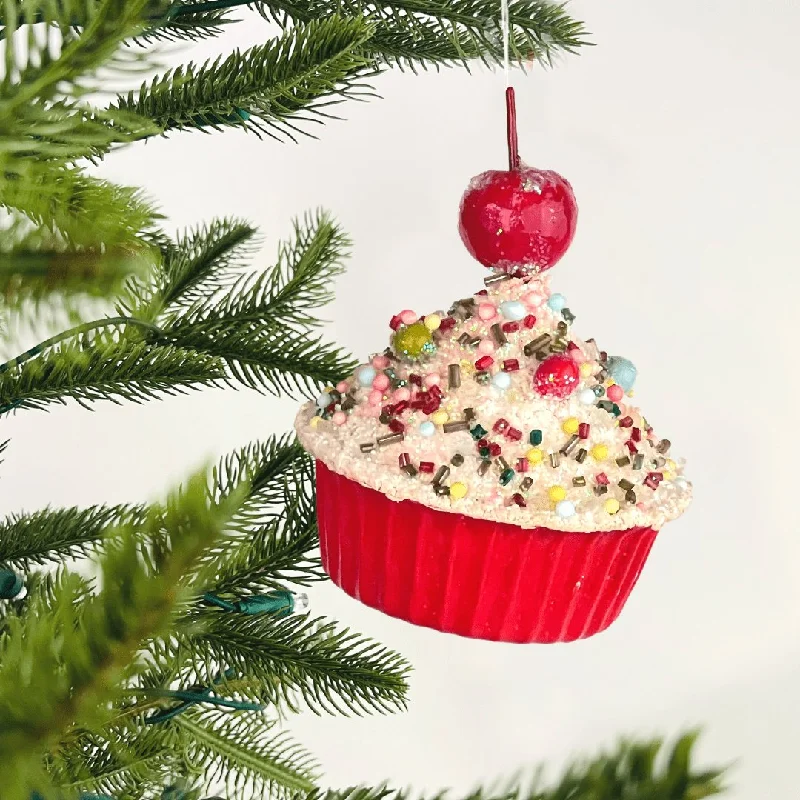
pixel 556 376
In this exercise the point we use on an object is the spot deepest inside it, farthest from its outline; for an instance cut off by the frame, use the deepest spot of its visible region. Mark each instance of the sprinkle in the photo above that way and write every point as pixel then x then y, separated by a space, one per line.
pixel 367 447
pixel 558 346
pixel 503 464
pixel 554 460
pixel 638 461
pixel 458 490
pixel 484 362
pixel 446 324
pixel 616 410
pixel 464 339
pixel 534 456
pixel 615 392
pixel 510 327
pixel 529 321
pixel 314 421
pixel 501 425
pixel 636 434
pixel 579 480
pixel 426 466
pixel 457 460
pixel 556 301
pixel 630 497
pixel 469 414
pixel 570 425
pixel 580 457
pixel 599 390
pixel 569 445
pixel 631 445
pixel 626 422
pixel 392 438
pixel 526 484
pixel 606 405
pixel 487 311
pixel 601 478
pixel 565 509
pixel 535 436
pixel 441 474
pixel 404 459
pixel 653 479
pixel 348 404
pixel 478 432
pixel 625 484
pixel 475 341
pixel 511 365
pixel 483 467
pixel 498 277
pixel 663 446
pixel 514 434
pixel 409 470
pixel 518 499
pixel 432 322
pixel 522 465
pixel 623 461
pixel 600 489
pixel 562 328
pixel 599 452
pixel 453 376
pixel 395 426
pixel 482 377
pixel 506 476
pixel 441 490
pixel 336 395
pixel 395 322
pixel 498 335
pixel 568 315
pixel 536 344
pixel 611 505
pixel 439 417
pixel 556 493
pixel 455 426
pixel 501 381
pixel 494 449
pixel 427 428
pixel 586 369
pixel 583 430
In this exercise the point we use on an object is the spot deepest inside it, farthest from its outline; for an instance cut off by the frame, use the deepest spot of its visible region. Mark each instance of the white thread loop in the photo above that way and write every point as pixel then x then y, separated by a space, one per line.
pixel 506 28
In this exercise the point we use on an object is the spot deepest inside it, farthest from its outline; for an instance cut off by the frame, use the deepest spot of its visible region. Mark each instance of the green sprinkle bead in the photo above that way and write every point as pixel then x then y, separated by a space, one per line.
pixel 536 437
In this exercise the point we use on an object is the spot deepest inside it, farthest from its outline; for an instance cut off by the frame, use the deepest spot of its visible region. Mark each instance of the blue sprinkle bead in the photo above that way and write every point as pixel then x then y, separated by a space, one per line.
pixel 557 302
pixel 565 509
pixel 427 428
pixel 365 374
pixel 502 380
pixel 324 400
pixel 513 310
pixel 622 371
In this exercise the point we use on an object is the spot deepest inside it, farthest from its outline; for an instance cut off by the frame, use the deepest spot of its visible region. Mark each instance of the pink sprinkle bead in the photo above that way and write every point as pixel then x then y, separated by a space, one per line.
pixel 577 355
pixel 486 346
pixel 432 379
pixel 408 317
pixel 532 299
pixel 380 362
pixel 381 383
pixel 486 311
pixel 372 411
pixel 375 397
pixel 401 394
pixel 615 393
pixel 342 386
pixel 339 418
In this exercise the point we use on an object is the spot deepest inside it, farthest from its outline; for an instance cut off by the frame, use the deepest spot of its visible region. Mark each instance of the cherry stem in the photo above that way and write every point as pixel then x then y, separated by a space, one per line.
pixel 511 129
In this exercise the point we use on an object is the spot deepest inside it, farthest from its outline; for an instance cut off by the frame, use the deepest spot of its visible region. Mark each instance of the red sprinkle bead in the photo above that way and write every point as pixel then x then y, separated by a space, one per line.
pixel 522 465
pixel 529 321
pixel 395 426
pixel 447 323
pixel 651 482
pixel 418 403
pixel 510 327
pixel 395 322
pixel 510 365
pixel 513 434
pixel 603 355
pixel 631 445
pixel 601 478
pixel 519 499
pixel 571 346
pixel 404 460
pixel 331 408
pixel 626 422
pixel 494 449
pixel 636 434
pixel 484 362
pixel 501 425
pixel 583 430
pixel 431 405
pixel 482 443
pixel 426 466
pixel 483 293
pixel 416 380
pixel 401 406
pixel 435 391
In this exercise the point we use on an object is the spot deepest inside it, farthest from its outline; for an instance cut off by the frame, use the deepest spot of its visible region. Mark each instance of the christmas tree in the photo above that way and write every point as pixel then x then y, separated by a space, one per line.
pixel 151 650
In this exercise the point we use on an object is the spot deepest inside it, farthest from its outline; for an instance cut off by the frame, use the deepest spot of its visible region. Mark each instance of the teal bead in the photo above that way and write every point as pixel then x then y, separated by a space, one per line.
pixel 365 374
pixel 557 302
pixel 536 437
pixel 478 432
pixel 506 476
pixel 10 584
pixel 427 428
pixel 622 371
pixel 513 310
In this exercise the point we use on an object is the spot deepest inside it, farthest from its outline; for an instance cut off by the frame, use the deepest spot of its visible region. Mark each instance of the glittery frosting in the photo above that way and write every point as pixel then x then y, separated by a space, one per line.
pixel 496 410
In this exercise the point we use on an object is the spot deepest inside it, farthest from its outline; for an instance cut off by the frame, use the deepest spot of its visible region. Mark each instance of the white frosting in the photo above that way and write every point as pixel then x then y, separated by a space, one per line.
pixel 339 445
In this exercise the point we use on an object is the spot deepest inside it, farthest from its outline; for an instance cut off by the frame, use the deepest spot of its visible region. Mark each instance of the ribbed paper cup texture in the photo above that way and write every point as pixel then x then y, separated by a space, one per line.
pixel 474 577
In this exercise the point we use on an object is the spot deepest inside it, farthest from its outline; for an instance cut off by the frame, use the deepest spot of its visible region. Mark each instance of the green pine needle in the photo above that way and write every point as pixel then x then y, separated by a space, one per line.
pixel 268 89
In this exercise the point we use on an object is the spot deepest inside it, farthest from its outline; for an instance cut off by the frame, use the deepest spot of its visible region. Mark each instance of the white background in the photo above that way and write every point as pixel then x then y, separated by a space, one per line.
pixel 679 132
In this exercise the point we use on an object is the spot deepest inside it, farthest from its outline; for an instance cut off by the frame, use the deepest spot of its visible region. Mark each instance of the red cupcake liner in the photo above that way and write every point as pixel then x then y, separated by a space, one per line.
pixel 474 577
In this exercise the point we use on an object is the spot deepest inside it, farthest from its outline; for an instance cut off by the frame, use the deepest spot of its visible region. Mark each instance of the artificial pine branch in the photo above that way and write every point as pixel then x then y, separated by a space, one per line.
pixel 268 89
pixel 51 535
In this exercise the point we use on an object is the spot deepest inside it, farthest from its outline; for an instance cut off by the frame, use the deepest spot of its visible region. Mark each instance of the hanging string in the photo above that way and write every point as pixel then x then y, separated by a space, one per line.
pixel 511 106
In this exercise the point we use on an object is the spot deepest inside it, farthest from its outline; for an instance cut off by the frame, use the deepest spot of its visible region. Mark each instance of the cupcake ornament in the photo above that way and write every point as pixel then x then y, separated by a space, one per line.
pixel 488 474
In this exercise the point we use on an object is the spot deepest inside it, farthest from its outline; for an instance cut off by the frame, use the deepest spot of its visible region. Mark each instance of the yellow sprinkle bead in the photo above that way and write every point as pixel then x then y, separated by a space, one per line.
pixel 439 417
pixel 669 476
pixel 534 455
pixel 599 452
pixel 586 369
pixel 458 490
pixel 557 493
pixel 314 421
pixel 671 465
pixel 571 425
pixel 467 367
pixel 432 322
pixel 611 505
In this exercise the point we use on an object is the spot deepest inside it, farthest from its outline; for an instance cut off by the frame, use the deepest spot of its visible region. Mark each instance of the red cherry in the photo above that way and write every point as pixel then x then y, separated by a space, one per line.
pixel 518 218
pixel 556 376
